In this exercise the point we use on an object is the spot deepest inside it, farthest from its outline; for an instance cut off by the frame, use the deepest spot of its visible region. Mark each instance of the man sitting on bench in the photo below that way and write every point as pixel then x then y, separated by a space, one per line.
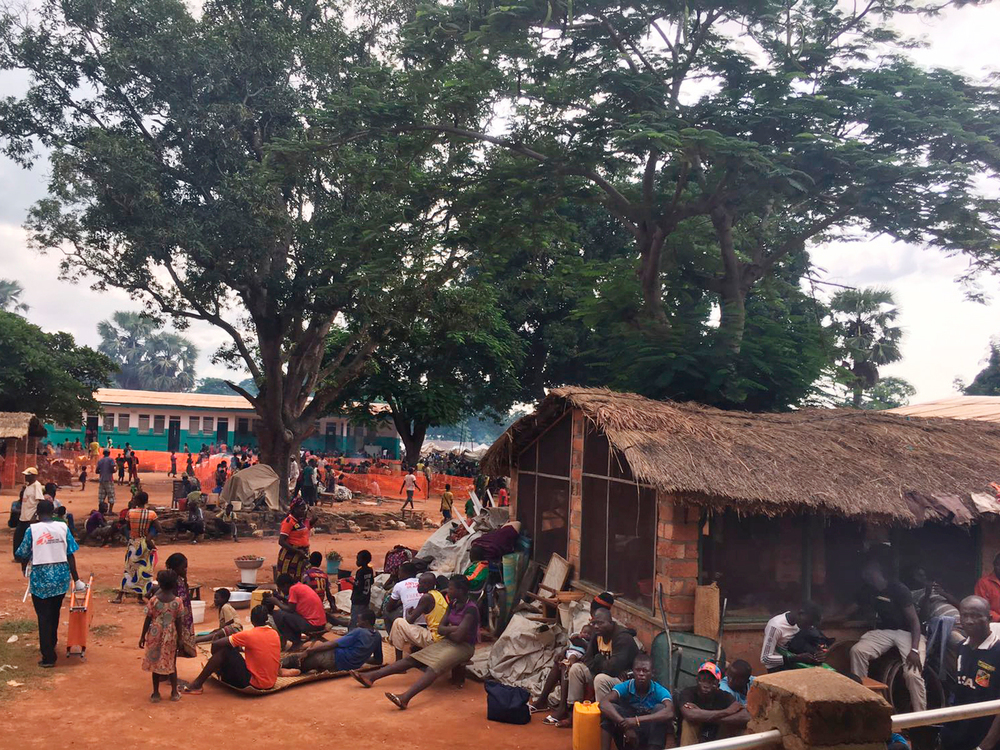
pixel 298 610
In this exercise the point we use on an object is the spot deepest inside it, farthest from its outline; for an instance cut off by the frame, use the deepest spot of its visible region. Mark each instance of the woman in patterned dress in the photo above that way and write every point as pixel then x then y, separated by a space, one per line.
pixel 138 576
pixel 293 542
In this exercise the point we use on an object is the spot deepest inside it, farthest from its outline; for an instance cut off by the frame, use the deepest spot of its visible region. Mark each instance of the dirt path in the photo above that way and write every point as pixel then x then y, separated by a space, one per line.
pixel 105 699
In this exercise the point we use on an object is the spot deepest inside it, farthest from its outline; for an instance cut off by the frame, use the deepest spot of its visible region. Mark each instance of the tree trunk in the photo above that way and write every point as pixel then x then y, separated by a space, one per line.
pixel 411 435
pixel 731 289
pixel 276 450
pixel 651 248
pixel 732 322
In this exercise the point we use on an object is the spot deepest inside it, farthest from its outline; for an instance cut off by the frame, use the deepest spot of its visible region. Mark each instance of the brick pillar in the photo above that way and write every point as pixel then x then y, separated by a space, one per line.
pixel 512 490
pixel 677 558
pixel 576 490
pixel 818 708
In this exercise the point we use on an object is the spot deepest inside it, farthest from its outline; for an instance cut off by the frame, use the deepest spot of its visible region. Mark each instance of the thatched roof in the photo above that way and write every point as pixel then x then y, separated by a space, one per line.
pixel 879 466
pixel 15 424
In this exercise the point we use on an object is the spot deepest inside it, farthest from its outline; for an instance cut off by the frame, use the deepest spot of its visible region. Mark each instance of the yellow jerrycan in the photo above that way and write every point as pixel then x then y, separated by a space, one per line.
pixel 586 726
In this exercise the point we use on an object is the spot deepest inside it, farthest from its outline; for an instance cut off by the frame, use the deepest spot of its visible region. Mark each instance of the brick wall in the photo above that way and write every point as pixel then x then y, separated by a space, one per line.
pixel 576 490
pixel 677 558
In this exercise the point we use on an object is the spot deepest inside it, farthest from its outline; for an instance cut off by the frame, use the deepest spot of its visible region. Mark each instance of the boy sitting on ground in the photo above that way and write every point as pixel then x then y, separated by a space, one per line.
pixel 637 714
pixel 229 622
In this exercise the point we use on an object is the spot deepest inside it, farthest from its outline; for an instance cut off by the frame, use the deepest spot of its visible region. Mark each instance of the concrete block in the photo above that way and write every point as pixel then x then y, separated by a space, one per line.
pixel 819 708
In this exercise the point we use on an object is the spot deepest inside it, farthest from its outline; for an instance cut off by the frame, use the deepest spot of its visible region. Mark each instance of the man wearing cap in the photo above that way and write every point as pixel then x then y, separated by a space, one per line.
pixel 33 494
pixel 707 712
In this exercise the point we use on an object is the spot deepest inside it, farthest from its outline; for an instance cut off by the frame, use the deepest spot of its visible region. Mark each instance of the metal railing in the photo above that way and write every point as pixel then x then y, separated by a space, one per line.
pixel 899 721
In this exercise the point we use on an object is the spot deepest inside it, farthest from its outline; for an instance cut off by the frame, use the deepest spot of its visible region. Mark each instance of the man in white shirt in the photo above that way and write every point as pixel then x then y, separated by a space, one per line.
pixel 404 596
pixel 779 631
pixel 32 495
pixel 410 485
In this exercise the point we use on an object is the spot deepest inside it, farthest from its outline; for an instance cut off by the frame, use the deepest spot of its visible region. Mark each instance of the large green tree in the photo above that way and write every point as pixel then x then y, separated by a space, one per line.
pixel 186 171
pixel 457 358
pixel 47 374
pixel 148 357
pixel 757 126
pixel 987 380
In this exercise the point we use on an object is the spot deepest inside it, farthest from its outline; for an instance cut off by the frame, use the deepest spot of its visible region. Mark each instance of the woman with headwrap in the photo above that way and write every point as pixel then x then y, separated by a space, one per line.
pixel 293 542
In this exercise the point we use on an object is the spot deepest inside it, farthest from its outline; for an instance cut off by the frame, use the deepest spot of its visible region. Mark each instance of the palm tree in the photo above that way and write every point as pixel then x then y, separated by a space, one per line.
pixel 10 296
pixel 863 320
pixel 148 358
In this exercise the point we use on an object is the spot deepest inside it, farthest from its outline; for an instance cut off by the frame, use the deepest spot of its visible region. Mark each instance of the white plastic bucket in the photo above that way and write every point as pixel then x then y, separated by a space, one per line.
pixel 198 611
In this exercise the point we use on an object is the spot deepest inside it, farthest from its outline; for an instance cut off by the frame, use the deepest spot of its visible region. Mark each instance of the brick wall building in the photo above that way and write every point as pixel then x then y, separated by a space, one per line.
pixel 639 495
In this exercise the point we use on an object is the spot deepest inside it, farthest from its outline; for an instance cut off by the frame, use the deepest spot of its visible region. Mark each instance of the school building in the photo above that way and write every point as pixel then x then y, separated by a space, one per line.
pixel 162 421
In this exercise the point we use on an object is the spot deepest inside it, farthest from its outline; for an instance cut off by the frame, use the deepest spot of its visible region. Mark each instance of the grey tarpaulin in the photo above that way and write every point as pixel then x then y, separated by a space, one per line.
pixel 449 557
pixel 523 655
pixel 247 485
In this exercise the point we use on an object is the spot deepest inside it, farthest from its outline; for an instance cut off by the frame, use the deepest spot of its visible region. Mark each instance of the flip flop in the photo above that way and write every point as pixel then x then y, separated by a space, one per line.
pixel 395 699
pixel 188 690
pixel 550 720
pixel 357 676
pixel 533 709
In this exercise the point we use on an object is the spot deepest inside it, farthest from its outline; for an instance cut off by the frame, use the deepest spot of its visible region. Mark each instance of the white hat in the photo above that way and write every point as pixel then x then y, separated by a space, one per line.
pixel 30 470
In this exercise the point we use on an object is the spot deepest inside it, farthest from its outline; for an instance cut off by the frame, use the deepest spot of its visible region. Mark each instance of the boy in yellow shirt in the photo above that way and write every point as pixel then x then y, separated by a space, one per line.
pixel 447 502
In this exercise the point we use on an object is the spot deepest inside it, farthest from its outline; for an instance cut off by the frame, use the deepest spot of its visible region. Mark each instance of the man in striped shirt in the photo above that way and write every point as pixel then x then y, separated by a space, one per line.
pixel 779 631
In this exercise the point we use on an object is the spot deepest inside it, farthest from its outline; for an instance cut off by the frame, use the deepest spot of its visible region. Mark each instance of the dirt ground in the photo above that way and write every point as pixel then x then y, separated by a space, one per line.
pixel 83 704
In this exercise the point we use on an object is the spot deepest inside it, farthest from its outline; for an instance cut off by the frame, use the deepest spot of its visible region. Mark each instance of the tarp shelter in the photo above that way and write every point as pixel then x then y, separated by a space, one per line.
pixel 247 485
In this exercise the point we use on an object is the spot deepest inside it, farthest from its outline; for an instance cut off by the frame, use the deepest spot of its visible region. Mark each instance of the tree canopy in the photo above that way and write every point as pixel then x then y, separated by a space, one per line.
pixel 721 138
pixel 987 380
pixel 458 358
pixel 10 296
pixel 47 374
pixel 186 170
pixel 148 357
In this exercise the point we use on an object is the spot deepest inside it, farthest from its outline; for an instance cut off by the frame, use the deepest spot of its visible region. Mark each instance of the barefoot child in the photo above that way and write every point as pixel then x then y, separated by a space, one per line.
pixel 83 479
pixel 160 632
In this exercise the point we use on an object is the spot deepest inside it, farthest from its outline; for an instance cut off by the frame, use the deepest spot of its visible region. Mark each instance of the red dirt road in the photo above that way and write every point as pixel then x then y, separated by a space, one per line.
pixel 104 701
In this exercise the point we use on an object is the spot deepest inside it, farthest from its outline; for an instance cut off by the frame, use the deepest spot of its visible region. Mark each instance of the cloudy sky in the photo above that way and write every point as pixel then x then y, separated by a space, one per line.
pixel 946 335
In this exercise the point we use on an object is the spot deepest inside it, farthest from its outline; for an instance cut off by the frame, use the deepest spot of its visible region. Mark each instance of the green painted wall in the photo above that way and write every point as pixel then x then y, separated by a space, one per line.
pixel 150 442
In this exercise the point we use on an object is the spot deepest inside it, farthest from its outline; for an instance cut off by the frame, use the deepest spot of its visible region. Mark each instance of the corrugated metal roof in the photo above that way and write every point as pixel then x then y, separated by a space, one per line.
pixel 125 397
pixel 981 408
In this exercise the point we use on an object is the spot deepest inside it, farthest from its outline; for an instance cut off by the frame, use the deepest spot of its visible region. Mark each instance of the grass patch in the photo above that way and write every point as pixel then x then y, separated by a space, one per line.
pixel 24 658
pixel 17 626
pixel 105 630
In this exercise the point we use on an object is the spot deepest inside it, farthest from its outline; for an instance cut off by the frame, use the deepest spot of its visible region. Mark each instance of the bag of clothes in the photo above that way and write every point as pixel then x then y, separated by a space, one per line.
pixel 506 703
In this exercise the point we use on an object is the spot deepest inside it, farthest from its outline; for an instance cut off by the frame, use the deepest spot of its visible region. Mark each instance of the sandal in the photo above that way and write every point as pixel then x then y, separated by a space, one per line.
pixel 550 721
pixel 533 709
pixel 396 699
pixel 188 690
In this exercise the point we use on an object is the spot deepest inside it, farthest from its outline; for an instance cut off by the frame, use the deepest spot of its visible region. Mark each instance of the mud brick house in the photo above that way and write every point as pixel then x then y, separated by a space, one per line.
pixel 19 436
pixel 775 508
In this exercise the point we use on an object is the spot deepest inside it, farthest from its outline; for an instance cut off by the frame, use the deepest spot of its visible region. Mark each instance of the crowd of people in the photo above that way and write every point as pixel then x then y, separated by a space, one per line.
pixel 433 624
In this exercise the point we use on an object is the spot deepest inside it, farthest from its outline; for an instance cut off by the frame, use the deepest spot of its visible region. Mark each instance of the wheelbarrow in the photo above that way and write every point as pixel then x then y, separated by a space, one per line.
pixel 677 655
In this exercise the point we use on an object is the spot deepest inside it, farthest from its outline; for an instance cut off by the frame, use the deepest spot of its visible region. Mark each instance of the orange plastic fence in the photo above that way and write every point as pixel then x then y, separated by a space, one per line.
pixel 389 486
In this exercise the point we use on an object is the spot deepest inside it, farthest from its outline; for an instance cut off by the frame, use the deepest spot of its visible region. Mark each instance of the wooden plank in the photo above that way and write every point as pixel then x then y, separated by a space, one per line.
pixel 707 611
